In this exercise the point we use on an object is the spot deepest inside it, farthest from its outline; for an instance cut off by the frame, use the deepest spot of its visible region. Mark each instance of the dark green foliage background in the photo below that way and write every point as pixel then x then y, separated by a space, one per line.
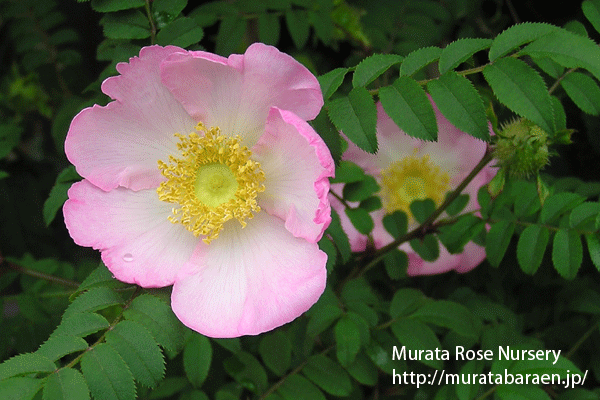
pixel 70 331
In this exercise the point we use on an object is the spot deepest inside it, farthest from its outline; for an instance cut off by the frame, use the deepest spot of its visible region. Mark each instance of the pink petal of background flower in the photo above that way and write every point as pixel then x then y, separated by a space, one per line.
pixel 455 152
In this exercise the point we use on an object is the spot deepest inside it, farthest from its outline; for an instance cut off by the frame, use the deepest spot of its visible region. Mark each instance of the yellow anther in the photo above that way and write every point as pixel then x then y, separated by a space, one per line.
pixel 215 180
pixel 412 178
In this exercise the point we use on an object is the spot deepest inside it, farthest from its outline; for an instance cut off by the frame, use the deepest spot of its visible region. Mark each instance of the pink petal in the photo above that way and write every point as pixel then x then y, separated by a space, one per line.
pixel 236 93
pixel 138 244
pixel 120 144
pixel 297 165
pixel 250 280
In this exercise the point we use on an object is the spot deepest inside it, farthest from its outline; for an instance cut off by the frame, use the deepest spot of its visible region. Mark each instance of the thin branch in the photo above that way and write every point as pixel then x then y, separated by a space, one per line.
pixel 40 275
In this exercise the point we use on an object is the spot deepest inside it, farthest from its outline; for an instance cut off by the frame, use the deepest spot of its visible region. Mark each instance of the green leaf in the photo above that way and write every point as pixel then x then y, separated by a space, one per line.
pixel 247 371
pixel 158 318
pixel 182 32
pixel 406 301
pixel 558 204
pixel 94 299
pixel 322 22
pixel 57 347
pixel 593 244
pixel 197 358
pixel 58 194
pixel 454 237
pixel 167 10
pixel 347 339
pixel 591 10
pixel 268 28
pixel 531 248
pixel 323 319
pixel 107 374
pixel 230 34
pixel 416 335
pixel 101 276
pixel 328 375
pixel 296 387
pixel 407 105
pixel 422 209
pixel 24 364
pixel 418 59
pixel 457 204
pixel 497 241
pixel 451 315
pixel 584 92
pixel 361 220
pixel 516 36
pixel 396 264
pixel 339 236
pixel 584 215
pixel 66 384
pixel 126 25
pixel 19 388
pixel 331 81
pixel 356 117
pixel 105 6
pixel 276 352
pixel 372 67
pixel 361 190
pixel 139 351
pixel 521 89
pixel 561 367
pixel 567 253
pixel 427 248
pixel 521 392
pixel 568 49
pixel 363 370
pixel 298 26
pixel 170 386
pixel 459 51
pixel 81 324
pixel 459 101
pixel 396 223
pixel 324 127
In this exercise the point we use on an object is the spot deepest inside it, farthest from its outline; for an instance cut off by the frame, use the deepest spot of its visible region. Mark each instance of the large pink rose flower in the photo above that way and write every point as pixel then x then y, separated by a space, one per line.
pixel 204 174
pixel 409 169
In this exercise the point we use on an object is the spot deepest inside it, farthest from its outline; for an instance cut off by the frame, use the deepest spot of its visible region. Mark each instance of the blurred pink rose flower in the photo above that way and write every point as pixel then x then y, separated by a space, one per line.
pixel 204 174
pixel 409 169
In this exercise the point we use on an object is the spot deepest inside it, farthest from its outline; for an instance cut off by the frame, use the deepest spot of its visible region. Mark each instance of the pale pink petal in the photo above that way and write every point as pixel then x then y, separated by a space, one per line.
pixel 138 244
pixel 237 93
pixel 120 144
pixel 297 165
pixel 249 280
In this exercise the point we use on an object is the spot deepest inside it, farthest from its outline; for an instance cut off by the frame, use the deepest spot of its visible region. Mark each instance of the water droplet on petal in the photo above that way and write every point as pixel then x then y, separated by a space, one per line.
pixel 127 257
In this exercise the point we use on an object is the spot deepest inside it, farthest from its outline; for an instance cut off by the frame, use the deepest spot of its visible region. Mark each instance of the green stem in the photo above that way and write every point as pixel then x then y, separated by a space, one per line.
pixel 582 339
pixel 40 275
pixel 294 372
pixel 151 21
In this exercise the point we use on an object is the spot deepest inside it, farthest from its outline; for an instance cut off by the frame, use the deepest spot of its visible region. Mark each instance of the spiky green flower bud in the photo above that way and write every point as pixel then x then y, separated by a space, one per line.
pixel 522 148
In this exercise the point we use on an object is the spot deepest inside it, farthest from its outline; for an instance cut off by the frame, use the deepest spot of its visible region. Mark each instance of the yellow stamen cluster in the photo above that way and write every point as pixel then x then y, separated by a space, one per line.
pixel 412 178
pixel 214 181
